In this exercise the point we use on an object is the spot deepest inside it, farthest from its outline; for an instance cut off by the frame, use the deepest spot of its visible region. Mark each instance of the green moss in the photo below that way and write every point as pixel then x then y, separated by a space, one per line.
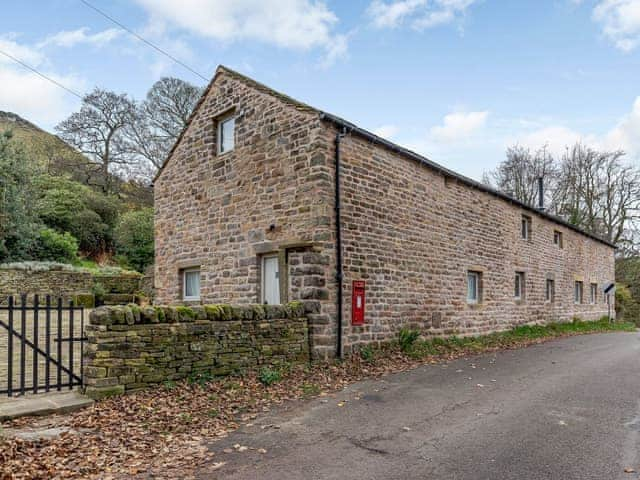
pixel 186 312
pixel 160 314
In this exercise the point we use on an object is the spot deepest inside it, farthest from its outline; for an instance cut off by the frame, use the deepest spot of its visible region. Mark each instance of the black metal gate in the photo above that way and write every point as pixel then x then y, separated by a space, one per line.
pixel 40 345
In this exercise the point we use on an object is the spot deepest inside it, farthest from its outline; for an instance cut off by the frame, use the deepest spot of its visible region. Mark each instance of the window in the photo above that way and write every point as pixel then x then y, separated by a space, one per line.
pixel 191 284
pixel 473 287
pixel 518 292
pixel 550 292
pixel 577 292
pixel 270 280
pixel 557 238
pixel 594 293
pixel 226 134
pixel 526 227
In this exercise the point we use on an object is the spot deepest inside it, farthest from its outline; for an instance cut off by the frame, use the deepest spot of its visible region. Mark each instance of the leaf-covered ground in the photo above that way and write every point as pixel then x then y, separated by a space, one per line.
pixel 163 432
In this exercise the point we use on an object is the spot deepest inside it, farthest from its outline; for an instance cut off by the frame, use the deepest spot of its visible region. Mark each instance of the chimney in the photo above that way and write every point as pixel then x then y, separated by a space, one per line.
pixel 540 194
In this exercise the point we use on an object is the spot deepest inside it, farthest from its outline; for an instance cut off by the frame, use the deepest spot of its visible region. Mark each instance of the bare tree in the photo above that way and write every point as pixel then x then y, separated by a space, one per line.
pixel 518 174
pixel 98 131
pixel 161 118
pixel 595 190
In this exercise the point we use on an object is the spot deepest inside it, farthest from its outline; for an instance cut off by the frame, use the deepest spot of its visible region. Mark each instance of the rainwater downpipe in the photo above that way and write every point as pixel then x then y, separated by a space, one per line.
pixel 339 270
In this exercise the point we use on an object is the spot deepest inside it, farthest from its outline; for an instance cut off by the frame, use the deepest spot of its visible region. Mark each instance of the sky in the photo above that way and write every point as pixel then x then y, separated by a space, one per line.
pixel 458 81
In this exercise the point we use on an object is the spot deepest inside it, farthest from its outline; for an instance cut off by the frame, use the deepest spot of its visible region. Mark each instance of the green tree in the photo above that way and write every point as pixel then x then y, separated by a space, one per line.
pixel 56 247
pixel 67 206
pixel 18 222
pixel 134 238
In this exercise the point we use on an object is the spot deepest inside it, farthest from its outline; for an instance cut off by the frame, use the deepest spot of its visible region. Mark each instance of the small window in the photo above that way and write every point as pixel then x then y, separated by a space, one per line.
pixel 594 293
pixel 270 280
pixel 518 291
pixel 550 292
pixel 191 284
pixel 577 293
pixel 226 134
pixel 557 238
pixel 526 227
pixel 473 287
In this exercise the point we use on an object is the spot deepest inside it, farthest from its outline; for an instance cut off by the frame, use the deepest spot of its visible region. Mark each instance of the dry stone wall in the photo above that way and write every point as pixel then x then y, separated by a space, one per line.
pixel 129 348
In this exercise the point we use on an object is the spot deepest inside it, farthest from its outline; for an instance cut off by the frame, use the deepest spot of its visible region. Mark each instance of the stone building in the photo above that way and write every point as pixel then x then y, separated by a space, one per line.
pixel 246 212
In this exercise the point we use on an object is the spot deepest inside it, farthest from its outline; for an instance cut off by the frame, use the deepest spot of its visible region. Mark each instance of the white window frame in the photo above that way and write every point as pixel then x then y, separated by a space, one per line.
pixel 593 293
pixel 525 227
pixel 477 276
pixel 219 139
pixel 578 288
pixel 184 284
pixel 550 290
pixel 519 280
pixel 262 280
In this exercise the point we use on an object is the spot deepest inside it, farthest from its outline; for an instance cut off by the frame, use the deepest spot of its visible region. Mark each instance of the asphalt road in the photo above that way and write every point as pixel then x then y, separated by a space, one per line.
pixel 567 409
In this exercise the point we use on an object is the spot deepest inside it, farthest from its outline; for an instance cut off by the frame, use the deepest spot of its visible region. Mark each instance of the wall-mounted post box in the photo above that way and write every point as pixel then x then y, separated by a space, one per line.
pixel 357 303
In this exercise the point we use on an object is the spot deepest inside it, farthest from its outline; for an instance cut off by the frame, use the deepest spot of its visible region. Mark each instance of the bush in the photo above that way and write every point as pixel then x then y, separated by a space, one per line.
pixel 56 247
pixel 407 338
pixel 627 307
pixel 269 376
pixel 134 238
pixel 367 353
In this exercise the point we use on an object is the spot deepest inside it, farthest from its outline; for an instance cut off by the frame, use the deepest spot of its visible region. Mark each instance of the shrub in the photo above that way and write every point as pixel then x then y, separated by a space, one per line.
pixel 57 247
pixel 134 238
pixel 367 353
pixel 269 376
pixel 407 338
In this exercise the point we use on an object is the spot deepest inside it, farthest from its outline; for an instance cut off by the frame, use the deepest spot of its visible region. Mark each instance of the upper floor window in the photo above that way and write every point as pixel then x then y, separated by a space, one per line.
pixel 226 134
pixel 518 291
pixel 191 284
pixel 525 227
pixel 557 238
pixel 473 287
pixel 577 292
pixel 594 293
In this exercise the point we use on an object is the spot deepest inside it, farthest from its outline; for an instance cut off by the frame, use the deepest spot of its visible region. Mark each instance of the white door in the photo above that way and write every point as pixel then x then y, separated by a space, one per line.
pixel 270 281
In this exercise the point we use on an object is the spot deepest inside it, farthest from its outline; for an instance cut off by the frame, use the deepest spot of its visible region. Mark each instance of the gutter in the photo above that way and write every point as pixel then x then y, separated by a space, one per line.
pixel 345 125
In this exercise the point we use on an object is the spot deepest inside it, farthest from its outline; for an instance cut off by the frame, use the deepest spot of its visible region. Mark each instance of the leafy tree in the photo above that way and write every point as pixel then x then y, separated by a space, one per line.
pixel 67 206
pixel 18 222
pixel 56 247
pixel 98 131
pixel 134 238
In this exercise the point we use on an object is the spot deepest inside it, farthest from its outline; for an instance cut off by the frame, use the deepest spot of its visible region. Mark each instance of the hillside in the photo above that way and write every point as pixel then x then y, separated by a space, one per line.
pixel 52 155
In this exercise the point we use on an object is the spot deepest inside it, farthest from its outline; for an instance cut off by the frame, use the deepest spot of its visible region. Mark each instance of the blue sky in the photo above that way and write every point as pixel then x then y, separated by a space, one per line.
pixel 456 80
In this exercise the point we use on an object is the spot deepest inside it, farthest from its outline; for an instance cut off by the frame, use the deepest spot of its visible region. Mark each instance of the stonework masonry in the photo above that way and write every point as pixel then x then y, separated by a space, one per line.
pixel 410 232
pixel 129 348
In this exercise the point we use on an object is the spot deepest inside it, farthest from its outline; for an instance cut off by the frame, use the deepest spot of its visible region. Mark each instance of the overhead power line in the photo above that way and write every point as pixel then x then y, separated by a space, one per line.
pixel 144 40
pixel 37 72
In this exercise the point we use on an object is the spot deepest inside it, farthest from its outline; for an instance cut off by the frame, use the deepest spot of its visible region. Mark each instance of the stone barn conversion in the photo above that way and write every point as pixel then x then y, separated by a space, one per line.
pixel 264 199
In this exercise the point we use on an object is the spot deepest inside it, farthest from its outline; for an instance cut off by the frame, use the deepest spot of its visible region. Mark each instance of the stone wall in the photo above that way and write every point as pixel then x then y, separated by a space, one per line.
pixel 129 348
pixel 64 282
pixel 412 235
pixel 58 283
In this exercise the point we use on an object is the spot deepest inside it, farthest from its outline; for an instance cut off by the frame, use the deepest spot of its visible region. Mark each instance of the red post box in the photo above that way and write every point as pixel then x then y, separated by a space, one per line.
pixel 357 303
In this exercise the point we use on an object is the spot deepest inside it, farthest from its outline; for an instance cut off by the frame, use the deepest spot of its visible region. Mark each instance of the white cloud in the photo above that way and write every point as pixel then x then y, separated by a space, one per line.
pixel 29 95
pixel 459 126
pixel 420 14
pixel 387 131
pixel 71 38
pixel 625 135
pixel 294 24
pixel 620 21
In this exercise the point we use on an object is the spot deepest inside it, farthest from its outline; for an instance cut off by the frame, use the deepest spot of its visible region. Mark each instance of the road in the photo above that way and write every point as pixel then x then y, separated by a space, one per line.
pixel 566 409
